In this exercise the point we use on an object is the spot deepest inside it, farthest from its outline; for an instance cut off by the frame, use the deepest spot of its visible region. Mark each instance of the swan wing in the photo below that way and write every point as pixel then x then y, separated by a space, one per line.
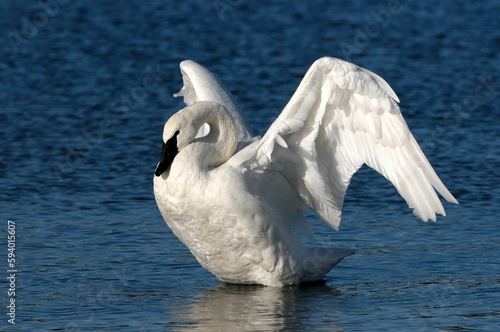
pixel 341 117
pixel 199 84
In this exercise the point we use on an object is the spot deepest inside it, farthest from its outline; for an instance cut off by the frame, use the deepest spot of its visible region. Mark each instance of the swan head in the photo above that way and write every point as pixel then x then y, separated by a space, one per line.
pixel 184 127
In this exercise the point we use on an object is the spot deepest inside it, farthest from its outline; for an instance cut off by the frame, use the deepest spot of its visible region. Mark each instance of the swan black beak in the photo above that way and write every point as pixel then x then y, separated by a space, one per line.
pixel 168 153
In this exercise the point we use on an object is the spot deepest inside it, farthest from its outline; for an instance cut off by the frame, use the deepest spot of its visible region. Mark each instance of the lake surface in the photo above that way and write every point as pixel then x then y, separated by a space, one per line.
pixel 86 88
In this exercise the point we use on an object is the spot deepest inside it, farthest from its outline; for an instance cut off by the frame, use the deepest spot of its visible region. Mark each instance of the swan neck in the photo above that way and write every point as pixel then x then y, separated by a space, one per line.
pixel 220 143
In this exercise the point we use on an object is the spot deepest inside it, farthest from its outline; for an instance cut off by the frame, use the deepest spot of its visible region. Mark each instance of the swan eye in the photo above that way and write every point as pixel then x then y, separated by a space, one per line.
pixel 177 132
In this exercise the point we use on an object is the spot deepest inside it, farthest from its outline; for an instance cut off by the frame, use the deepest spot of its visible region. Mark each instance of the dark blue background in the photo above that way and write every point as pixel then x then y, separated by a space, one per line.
pixel 81 135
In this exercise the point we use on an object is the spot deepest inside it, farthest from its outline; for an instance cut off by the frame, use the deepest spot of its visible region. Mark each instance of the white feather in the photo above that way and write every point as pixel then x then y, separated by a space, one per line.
pixel 201 85
pixel 235 211
pixel 362 125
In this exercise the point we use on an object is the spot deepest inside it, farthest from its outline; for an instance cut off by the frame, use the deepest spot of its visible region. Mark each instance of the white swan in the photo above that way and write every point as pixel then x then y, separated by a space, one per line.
pixel 235 211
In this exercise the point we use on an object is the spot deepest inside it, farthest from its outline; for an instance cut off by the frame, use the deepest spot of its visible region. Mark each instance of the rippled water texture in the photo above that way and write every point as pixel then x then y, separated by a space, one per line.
pixel 86 87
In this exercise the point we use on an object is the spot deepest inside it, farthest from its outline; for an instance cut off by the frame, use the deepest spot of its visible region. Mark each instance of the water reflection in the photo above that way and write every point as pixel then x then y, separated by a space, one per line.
pixel 253 308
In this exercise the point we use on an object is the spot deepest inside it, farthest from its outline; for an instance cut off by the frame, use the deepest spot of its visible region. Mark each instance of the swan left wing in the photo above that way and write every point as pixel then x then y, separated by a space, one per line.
pixel 340 117
pixel 199 84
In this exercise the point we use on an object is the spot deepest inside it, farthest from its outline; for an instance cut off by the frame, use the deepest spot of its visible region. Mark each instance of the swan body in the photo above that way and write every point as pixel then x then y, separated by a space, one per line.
pixel 234 205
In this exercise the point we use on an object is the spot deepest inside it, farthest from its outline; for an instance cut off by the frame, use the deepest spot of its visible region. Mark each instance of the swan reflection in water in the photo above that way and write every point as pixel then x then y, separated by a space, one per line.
pixel 228 307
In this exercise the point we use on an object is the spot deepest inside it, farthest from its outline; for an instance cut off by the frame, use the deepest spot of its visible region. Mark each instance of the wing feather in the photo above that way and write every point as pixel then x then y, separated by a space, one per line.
pixel 199 84
pixel 341 117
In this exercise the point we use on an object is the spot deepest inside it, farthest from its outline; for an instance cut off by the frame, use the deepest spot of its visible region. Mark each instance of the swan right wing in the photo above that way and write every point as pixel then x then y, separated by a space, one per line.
pixel 199 84
pixel 340 117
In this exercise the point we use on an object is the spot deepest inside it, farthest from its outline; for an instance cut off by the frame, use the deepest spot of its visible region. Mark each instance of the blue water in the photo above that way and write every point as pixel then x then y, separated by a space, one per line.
pixel 84 94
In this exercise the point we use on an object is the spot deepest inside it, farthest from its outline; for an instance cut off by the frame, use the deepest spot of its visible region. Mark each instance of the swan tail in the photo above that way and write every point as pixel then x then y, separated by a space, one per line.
pixel 321 260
